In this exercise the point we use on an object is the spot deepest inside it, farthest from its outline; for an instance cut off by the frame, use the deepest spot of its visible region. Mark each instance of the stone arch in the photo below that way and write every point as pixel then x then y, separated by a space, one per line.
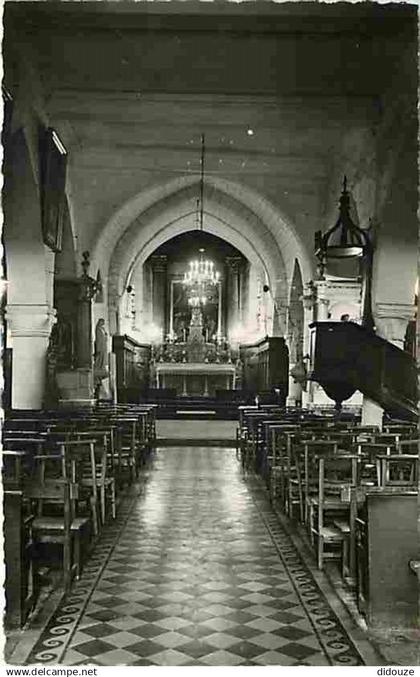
pixel 176 215
pixel 295 327
pixel 232 211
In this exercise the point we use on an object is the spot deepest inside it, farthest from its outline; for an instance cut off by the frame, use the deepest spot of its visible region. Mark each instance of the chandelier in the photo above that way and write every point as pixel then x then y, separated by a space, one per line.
pixel 200 276
pixel 201 273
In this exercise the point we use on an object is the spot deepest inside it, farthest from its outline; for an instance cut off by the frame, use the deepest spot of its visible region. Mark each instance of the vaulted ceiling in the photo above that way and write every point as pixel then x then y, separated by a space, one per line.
pixel 131 86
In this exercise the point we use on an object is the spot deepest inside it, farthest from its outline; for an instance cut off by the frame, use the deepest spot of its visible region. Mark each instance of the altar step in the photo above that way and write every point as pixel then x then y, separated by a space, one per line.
pixel 197 409
pixel 202 433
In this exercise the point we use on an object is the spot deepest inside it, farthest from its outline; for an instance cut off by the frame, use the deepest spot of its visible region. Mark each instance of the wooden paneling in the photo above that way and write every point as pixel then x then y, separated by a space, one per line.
pixel 392 541
pixel 133 367
pixel 266 366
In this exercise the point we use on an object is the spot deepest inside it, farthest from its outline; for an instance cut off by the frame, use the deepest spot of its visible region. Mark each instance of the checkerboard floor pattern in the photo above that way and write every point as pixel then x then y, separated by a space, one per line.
pixel 195 578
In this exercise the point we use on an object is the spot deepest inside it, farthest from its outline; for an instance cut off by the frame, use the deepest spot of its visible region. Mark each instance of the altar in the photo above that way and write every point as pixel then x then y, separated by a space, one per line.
pixel 195 367
pixel 195 378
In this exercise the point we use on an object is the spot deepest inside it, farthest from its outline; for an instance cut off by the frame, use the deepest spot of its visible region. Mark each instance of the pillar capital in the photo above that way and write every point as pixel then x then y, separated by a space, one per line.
pixel 30 319
pixel 391 321
pixel 30 327
pixel 321 288
pixel 308 296
pixel 234 263
pixel 398 311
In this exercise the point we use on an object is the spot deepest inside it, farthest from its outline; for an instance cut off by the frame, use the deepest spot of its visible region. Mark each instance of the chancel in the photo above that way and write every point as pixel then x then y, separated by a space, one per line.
pixel 210 347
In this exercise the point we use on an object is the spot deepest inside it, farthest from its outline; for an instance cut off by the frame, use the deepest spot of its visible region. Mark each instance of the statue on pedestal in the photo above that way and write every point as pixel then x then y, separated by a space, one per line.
pixel 101 347
pixel 100 365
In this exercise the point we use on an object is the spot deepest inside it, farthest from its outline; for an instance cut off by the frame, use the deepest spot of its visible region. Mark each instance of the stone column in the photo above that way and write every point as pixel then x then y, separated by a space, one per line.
pixel 171 309
pixel 372 413
pixel 159 293
pixel 234 293
pixel 391 321
pixel 30 327
pixel 219 332
pixel 295 388
pixel 308 317
pixel 147 296
pixel 322 301
pixel 244 299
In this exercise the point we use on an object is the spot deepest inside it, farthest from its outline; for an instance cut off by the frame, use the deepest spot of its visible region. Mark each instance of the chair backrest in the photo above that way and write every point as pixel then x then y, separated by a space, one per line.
pixel 399 470
pixel 340 468
pixel 79 460
pixel 48 489
pixel 408 446
pixel 12 468
pixel 59 492
pixel 370 450
pixel 388 438
pixel 103 449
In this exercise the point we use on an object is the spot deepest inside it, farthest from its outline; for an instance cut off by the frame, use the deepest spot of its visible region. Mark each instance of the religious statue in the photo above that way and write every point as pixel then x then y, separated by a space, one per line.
pixel 100 367
pixel 101 350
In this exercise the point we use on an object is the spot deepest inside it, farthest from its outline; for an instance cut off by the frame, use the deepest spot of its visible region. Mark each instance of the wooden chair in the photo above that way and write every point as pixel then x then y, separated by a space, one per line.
pixel 335 472
pixel 398 470
pixel 127 464
pixel 78 465
pixel 312 450
pixel 408 446
pixel 369 469
pixel 79 458
pixel 295 464
pixel 103 467
pixel 278 460
pixel 54 500
pixel 32 445
pixel 20 590
pixel 390 439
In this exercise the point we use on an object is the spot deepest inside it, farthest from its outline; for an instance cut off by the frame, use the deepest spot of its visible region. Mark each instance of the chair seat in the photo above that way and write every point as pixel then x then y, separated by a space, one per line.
pixel 342 526
pixel 88 481
pixel 331 534
pixel 328 503
pixel 57 524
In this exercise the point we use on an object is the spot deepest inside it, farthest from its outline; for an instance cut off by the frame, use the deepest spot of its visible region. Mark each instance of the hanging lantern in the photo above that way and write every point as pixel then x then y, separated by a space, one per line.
pixel 344 240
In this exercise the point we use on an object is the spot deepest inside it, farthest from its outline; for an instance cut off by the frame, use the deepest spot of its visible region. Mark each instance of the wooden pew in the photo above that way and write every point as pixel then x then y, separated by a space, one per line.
pixel 20 589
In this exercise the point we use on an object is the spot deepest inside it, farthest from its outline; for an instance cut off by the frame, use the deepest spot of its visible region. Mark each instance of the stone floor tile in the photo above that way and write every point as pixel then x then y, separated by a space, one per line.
pixel 195 575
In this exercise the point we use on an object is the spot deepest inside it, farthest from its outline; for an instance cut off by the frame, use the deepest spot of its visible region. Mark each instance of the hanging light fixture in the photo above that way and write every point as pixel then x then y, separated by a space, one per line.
pixel 201 273
pixel 345 240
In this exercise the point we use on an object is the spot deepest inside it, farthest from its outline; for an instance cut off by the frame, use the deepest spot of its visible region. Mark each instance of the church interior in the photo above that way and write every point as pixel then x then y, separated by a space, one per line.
pixel 210 447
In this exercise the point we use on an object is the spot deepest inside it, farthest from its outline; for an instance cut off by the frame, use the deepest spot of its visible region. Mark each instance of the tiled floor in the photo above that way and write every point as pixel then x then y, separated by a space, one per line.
pixel 196 572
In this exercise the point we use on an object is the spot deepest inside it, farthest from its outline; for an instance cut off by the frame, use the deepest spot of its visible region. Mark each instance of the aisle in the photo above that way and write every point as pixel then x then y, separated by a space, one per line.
pixel 196 571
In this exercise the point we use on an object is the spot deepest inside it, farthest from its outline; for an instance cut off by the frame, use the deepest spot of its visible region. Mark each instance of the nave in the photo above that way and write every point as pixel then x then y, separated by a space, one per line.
pixel 210 217
pixel 197 570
